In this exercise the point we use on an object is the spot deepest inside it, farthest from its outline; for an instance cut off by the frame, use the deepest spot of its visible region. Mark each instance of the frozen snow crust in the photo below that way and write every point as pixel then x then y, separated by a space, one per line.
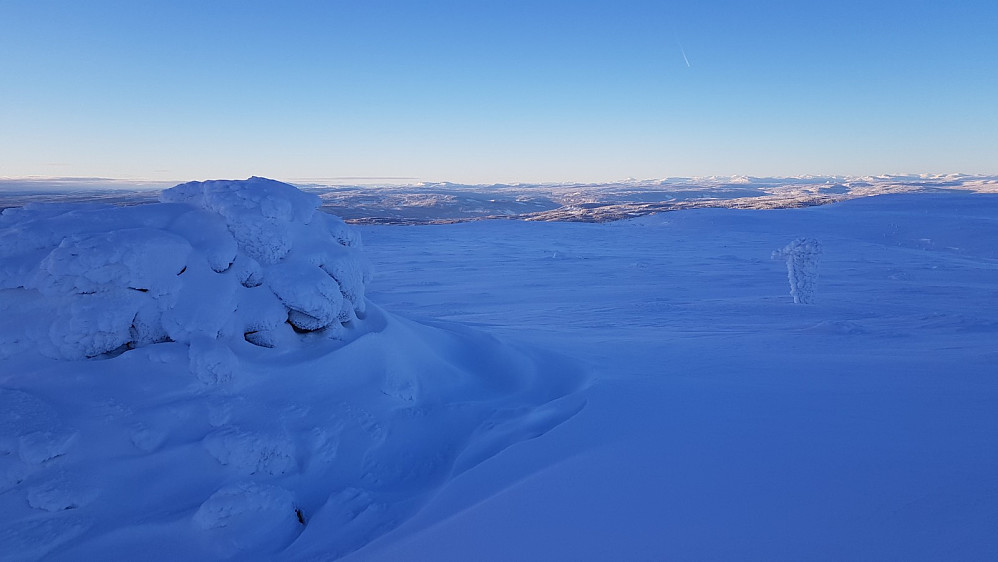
pixel 201 378
pixel 216 263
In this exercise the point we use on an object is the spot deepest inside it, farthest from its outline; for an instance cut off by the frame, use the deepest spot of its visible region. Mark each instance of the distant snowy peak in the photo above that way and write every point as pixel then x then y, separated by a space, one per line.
pixel 216 265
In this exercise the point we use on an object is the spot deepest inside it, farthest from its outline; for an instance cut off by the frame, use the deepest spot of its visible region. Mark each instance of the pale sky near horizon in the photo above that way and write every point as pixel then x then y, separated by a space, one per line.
pixel 488 91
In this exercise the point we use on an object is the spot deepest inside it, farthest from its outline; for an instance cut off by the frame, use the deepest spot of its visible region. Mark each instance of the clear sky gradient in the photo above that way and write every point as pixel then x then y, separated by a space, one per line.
pixel 496 91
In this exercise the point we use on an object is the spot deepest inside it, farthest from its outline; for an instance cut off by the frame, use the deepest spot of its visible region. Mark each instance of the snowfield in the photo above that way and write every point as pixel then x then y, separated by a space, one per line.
pixel 727 422
pixel 221 376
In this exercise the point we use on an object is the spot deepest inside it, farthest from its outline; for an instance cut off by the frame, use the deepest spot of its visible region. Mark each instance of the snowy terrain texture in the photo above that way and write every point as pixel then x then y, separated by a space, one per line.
pixel 203 377
pixel 727 422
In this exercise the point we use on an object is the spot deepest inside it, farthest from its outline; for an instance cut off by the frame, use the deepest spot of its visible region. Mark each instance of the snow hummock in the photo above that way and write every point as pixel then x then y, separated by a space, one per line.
pixel 204 377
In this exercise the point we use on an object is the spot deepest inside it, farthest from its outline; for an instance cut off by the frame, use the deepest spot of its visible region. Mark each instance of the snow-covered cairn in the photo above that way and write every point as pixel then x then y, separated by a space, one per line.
pixel 215 265
pixel 802 256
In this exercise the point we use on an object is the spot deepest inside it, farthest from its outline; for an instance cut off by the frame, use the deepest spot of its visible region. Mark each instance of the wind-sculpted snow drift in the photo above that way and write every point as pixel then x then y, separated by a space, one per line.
pixel 204 377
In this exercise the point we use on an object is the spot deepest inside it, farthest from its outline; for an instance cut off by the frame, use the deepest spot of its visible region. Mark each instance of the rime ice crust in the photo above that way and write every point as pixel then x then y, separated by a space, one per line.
pixel 215 264
pixel 802 257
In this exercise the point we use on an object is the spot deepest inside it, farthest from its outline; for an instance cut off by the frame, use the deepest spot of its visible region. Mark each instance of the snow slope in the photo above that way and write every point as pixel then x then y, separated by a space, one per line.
pixel 204 378
pixel 728 423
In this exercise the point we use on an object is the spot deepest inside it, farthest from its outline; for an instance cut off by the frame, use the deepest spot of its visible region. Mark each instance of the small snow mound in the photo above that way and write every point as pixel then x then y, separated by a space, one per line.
pixel 31 428
pixel 40 446
pixel 211 362
pixel 251 453
pixel 250 516
pixel 59 496
pixel 147 439
pixel 215 265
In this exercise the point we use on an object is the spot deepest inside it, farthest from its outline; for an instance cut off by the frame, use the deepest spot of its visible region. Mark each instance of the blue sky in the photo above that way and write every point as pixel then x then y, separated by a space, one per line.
pixel 483 91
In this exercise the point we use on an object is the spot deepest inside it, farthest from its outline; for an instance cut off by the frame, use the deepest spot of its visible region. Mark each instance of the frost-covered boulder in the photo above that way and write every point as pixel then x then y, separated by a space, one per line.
pixel 214 265
pixel 802 256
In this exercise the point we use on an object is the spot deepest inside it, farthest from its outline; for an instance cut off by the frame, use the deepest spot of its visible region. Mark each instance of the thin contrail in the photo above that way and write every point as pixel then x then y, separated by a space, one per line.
pixel 682 50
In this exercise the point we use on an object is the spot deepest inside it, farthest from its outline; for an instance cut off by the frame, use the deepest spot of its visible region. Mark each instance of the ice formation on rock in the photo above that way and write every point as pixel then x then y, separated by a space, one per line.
pixel 214 265
pixel 802 257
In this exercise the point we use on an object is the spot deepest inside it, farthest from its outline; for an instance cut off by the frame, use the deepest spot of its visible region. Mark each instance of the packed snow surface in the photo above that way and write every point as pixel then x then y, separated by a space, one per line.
pixel 204 378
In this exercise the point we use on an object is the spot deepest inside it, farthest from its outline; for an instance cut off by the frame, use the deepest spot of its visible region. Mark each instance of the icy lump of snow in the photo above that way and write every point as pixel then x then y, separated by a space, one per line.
pixel 249 516
pixel 216 264
pixel 802 256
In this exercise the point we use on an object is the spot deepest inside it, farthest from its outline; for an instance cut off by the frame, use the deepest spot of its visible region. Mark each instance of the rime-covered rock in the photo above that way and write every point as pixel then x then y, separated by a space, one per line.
pixel 214 265
pixel 802 256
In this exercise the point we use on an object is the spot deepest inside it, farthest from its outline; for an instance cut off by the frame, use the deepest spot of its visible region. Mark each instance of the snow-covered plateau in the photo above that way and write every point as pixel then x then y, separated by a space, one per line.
pixel 230 374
